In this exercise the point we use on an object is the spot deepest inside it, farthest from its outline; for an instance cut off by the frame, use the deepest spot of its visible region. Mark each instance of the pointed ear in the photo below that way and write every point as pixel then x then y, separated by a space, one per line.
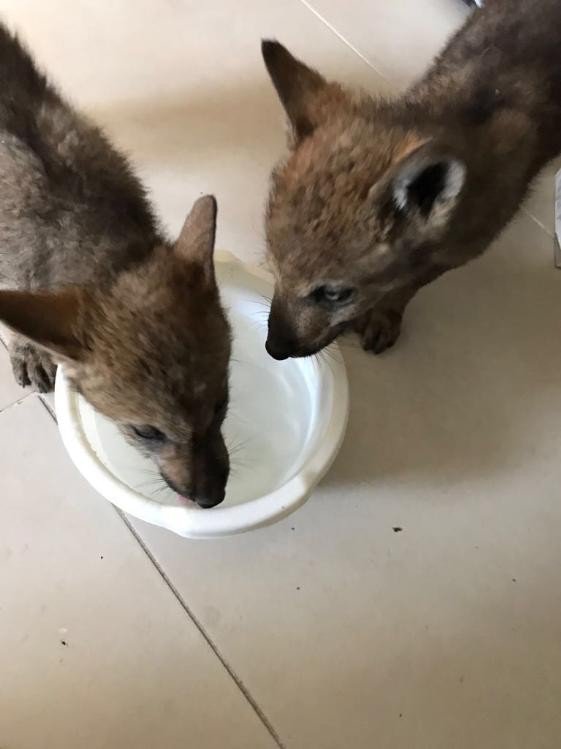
pixel 49 319
pixel 428 182
pixel 298 87
pixel 196 240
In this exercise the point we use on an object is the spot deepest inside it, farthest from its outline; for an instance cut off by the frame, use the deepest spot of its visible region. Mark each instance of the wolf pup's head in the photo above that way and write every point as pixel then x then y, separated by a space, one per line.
pixel 151 352
pixel 354 212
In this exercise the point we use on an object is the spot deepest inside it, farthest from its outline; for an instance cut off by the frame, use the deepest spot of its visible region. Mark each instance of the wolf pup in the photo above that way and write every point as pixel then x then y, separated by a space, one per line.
pixel 378 198
pixel 90 281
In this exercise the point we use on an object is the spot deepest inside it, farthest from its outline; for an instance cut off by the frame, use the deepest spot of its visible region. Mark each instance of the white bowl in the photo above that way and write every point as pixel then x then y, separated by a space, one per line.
pixel 285 425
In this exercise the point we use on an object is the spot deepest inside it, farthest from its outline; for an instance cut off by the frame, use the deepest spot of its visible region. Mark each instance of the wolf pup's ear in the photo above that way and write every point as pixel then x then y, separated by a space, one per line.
pixel 49 319
pixel 299 88
pixel 195 243
pixel 427 183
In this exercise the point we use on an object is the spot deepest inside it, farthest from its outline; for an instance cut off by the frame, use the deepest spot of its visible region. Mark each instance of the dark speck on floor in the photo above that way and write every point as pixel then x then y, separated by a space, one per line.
pixel 101 556
pixel 513 579
pixel 397 529
pixel 63 642
pixel 293 529
pixel 401 715
pixel 297 587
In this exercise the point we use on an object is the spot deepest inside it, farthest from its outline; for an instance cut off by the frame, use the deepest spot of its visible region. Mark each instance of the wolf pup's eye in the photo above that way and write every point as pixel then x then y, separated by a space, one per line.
pixel 149 433
pixel 332 295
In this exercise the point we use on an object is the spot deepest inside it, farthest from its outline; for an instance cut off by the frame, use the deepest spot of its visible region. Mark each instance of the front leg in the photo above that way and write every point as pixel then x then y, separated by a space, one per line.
pixel 31 364
pixel 379 329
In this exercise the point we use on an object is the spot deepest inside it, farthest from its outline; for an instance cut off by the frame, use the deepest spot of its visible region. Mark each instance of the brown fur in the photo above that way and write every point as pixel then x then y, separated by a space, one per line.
pixel 378 198
pixel 92 282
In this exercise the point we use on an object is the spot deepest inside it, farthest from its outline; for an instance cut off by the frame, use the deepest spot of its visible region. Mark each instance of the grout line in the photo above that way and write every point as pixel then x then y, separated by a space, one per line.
pixel 388 80
pixel 542 226
pixel 15 403
pixel 47 408
pixel 236 679
pixel 340 36
pixel 209 641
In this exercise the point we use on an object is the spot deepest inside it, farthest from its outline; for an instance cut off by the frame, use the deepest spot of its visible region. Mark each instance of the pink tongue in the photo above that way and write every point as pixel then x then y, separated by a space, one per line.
pixel 185 499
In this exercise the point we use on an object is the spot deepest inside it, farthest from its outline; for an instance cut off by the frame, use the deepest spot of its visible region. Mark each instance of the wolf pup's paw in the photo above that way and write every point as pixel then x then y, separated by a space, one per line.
pixel 378 330
pixel 32 366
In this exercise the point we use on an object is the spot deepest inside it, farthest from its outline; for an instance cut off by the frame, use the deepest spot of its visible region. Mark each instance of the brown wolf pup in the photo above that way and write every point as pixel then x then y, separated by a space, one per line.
pixel 378 198
pixel 94 284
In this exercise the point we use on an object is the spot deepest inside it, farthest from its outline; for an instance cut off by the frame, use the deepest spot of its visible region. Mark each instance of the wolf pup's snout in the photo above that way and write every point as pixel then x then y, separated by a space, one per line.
pixel 211 469
pixel 280 343
pixel 279 350
pixel 198 472
pixel 298 325
pixel 282 338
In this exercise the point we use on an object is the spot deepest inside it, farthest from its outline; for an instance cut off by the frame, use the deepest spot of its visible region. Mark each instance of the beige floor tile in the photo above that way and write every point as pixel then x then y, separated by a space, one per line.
pixel 399 38
pixel 349 633
pixel 414 602
pixel 95 650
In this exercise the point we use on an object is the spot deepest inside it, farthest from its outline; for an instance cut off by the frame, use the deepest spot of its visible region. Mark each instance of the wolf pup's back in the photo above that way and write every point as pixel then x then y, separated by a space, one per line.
pixel 64 190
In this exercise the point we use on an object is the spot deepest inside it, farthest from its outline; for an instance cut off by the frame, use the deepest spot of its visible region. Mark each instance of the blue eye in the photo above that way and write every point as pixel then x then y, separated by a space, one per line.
pixel 332 295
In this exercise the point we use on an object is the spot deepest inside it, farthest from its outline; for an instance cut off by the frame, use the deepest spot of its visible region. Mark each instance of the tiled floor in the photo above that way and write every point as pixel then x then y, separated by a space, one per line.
pixel 329 630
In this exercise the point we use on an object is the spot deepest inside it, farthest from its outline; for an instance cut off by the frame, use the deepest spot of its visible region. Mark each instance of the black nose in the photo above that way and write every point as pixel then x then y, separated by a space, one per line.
pixel 207 501
pixel 277 352
pixel 207 493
